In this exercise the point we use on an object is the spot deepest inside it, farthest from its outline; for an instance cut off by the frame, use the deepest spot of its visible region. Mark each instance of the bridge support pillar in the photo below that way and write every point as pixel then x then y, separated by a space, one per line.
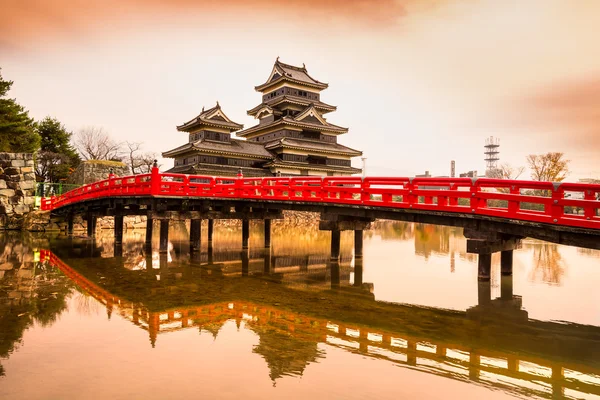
pixel 485 244
pixel 267 233
pixel 335 273
pixel 358 272
pixel 149 228
pixel 484 267
pixel 267 262
pixel 195 234
pixel 91 225
pixel 474 365
pixel 358 243
pixel 245 233
pixel 245 261
pixel 411 352
pixel 118 230
pixel 506 262
pixel 211 224
pixel 210 253
pixel 335 245
pixel 164 235
pixel 506 287
pixel 484 293
pixel 70 219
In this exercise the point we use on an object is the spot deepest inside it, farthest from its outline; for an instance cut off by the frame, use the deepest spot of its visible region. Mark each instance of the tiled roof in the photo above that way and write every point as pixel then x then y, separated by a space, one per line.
pixel 312 145
pixel 211 117
pixel 323 107
pixel 291 73
pixel 291 121
pixel 235 146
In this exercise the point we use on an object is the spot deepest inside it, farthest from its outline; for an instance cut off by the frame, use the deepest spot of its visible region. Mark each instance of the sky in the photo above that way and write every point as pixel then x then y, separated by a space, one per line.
pixel 418 82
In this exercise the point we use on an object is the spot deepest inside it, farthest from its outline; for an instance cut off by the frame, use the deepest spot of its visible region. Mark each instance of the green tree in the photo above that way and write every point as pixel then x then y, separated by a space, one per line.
pixel 17 129
pixel 57 157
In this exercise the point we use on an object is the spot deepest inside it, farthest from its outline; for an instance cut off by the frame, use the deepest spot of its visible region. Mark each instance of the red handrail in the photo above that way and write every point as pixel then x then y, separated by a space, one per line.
pixel 534 201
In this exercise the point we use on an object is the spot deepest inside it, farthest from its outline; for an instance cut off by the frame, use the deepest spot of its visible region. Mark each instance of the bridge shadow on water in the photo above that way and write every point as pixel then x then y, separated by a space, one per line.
pixel 299 303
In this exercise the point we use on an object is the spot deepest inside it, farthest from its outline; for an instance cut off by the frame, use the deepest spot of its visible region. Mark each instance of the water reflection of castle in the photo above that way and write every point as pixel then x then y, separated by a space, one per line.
pixel 493 344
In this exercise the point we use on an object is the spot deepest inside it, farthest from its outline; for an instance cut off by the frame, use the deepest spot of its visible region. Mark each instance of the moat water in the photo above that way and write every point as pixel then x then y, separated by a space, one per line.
pixel 409 320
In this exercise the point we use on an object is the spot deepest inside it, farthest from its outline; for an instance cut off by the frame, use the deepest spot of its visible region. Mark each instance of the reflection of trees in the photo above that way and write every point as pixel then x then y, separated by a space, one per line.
pixel 437 239
pixel 394 230
pixel 32 292
pixel 548 264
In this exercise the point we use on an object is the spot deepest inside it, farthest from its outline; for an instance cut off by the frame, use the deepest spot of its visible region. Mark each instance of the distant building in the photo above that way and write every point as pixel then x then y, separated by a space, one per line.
pixel 292 136
pixel 470 174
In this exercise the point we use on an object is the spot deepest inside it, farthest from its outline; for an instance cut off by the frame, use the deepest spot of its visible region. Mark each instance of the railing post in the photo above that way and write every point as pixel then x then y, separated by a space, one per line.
pixel 155 179
pixel 513 205
pixel 474 198
pixel 589 210
pixel 111 183
pixel 411 198
pixel 557 210
pixel 239 183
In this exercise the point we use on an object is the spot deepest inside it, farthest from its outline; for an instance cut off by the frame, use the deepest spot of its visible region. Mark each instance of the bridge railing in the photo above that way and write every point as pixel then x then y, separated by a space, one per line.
pixel 572 204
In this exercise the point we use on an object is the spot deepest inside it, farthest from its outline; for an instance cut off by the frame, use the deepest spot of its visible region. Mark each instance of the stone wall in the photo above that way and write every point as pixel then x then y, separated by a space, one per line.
pixel 17 188
pixel 96 170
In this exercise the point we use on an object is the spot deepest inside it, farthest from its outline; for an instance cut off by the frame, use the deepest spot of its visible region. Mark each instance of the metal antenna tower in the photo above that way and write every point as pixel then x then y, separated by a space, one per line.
pixel 491 153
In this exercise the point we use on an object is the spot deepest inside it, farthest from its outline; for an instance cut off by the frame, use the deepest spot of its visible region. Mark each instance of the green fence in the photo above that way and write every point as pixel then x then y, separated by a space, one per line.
pixel 47 189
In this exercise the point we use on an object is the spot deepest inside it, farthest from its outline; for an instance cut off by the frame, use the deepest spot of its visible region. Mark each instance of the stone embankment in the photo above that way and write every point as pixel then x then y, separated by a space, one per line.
pixel 17 189
pixel 40 221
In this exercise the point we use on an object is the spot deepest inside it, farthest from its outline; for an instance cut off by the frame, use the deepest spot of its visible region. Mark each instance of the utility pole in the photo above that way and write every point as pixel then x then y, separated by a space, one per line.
pixel 364 167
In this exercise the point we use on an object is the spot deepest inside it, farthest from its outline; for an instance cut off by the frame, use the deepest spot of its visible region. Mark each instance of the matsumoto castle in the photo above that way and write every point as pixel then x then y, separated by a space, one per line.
pixel 292 136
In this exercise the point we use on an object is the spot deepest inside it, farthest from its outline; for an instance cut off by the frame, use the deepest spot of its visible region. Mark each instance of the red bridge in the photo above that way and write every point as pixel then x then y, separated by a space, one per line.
pixel 495 213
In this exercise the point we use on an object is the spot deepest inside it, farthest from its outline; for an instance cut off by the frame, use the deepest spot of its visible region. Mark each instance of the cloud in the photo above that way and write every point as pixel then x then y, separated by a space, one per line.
pixel 573 108
pixel 39 22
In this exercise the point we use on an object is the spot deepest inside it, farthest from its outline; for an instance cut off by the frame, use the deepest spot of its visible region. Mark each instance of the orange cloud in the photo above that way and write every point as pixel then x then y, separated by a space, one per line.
pixel 572 107
pixel 28 22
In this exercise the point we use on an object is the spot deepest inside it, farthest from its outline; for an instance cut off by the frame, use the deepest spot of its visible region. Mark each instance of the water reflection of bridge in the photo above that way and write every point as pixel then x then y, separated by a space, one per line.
pixel 492 344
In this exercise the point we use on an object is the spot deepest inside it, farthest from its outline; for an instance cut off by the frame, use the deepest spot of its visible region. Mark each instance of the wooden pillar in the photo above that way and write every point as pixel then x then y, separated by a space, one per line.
pixel 210 253
pixel 267 233
pixel 149 267
pixel 558 388
pixel 411 352
pixel 484 293
pixel 118 230
pixel 70 219
pixel 91 225
pixel 474 365
pixel 358 243
pixel 149 229
pixel 195 234
pixel 358 272
pixel 211 224
pixel 245 261
pixel 485 265
pixel 440 351
pixel 164 235
pixel 506 262
pixel 267 262
pixel 245 233
pixel 335 245
pixel 163 265
pixel 506 287
pixel 335 274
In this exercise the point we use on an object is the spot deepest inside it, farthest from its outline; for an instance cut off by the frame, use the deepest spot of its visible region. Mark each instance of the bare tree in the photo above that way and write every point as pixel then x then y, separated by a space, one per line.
pixel 138 161
pixel 507 171
pixel 93 143
pixel 550 167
